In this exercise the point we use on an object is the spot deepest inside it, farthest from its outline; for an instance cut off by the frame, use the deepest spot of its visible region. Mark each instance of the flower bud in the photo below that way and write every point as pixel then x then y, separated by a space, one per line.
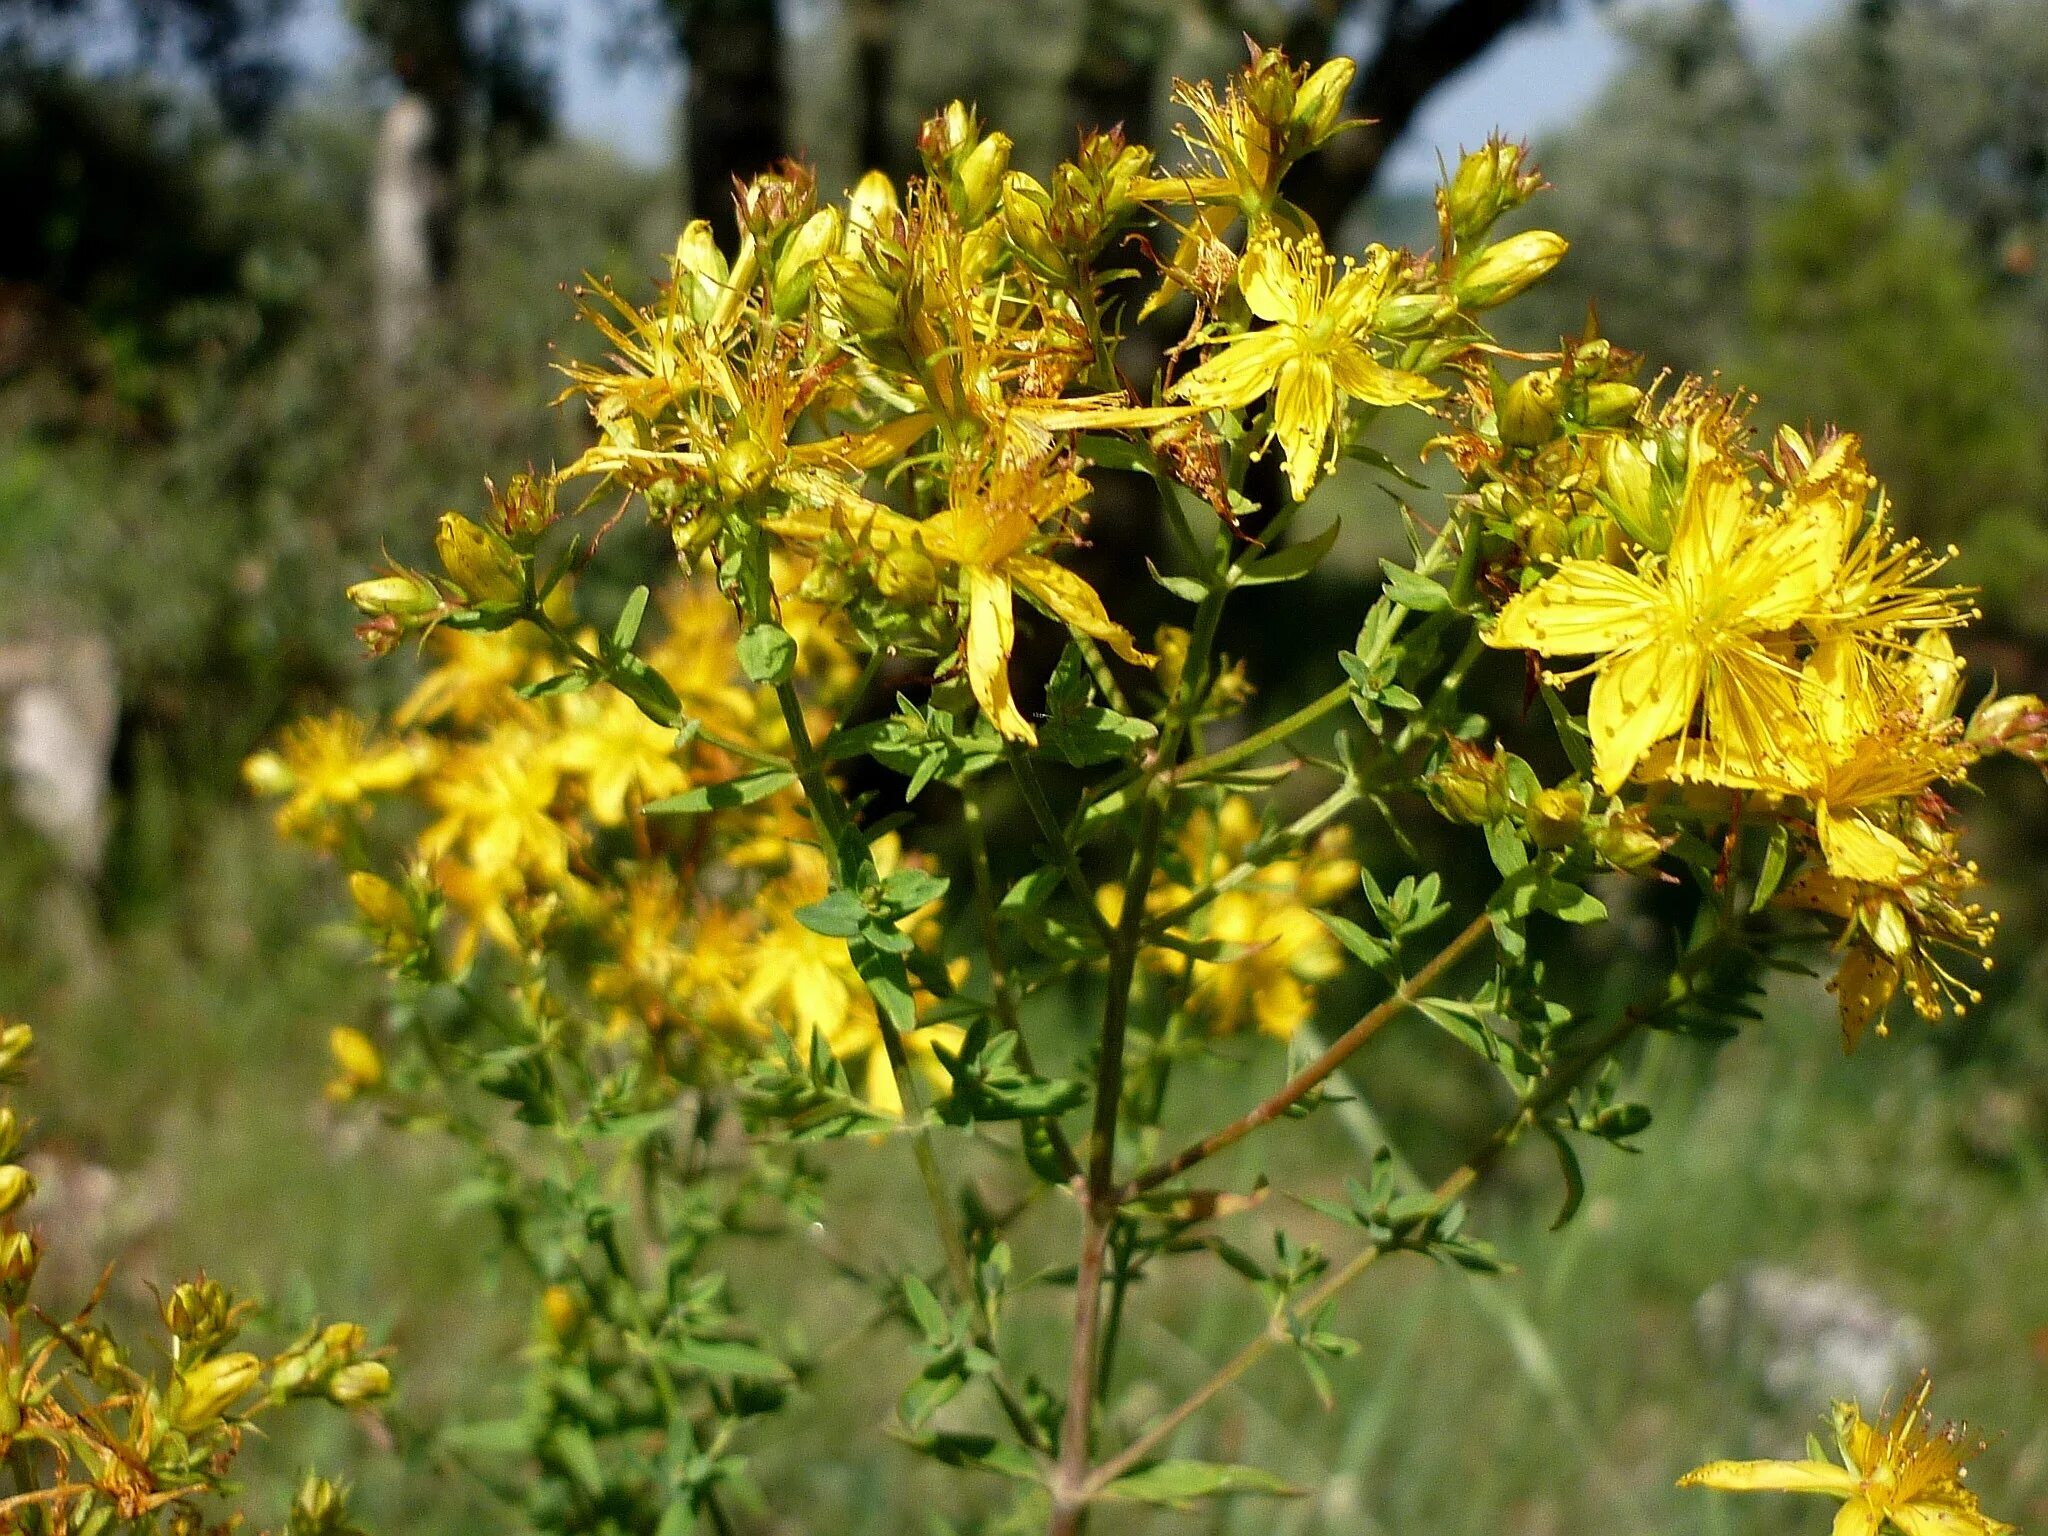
pixel 1471 786
pixel 1319 103
pixel 1413 314
pixel 403 594
pixel 16 1185
pixel 201 1315
pixel 1530 409
pixel 905 574
pixel 481 563
pixel 980 177
pixel 1026 206
pixel 2016 724
pixel 15 1040
pixel 1555 817
pixel 1609 404
pixel 319 1509
pixel 359 1064
pixel 525 509
pixel 946 135
pixel 1624 839
pixel 871 207
pixel 797 263
pixel 201 1395
pixel 363 1382
pixel 742 468
pixel 1505 269
pixel 10 1132
pixel 20 1254
pixel 1489 182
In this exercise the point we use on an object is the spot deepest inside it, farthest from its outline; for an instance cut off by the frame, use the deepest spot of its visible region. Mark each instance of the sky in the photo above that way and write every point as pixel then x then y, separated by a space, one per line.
pixel 1532 81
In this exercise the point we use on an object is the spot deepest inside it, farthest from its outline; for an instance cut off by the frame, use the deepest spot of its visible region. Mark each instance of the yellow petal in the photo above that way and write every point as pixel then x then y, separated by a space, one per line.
pixel 1856 850
pixel 1772 1477
pixel 1930 1519
pixel 1236 375
pixel 1863 989
pixel 1639 698
pixel 991 635
pixel 1305 413
pixel 1587 606
pixel 1098 413
pixel 1072 601
pixel 1857 1517
pixel 1279 279
pixel 1362 378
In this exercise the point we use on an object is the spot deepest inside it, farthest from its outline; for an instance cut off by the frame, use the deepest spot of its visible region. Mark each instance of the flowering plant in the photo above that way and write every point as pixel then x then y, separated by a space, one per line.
pixel 675 915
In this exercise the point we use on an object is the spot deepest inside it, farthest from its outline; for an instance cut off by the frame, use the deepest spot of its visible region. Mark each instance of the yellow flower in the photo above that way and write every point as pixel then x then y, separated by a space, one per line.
pixel 1686 629
pixel 623 758
pixel 496 798
pixel 998 512
pixel 1904 1473
pixel 326 764
pixel 1314 355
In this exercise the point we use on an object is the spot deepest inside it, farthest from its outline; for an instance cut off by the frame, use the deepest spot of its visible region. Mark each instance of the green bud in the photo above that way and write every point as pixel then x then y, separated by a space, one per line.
pixel 403 594
pixel 1489 182
pixel 1530 409
pixel 200 1396
pixel 1634 493
pixel 1610 404
pixel 1319 103
pixel 2016 724
pixel 1505 269
pixel 363 1382
pixel 15 1041
pixel 1471 786
pixel 1555 817
pixel 1623 838
pixel 17 1184
pixel 20 1254
pixel 319 1509
pixel 979 180
pixel 481 563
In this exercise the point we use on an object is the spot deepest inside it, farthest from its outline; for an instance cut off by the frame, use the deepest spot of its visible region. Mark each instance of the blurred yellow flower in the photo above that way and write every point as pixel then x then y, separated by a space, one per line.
pixel 326 764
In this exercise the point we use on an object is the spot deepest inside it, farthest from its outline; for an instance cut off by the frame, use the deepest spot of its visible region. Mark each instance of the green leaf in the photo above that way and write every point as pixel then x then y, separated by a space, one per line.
pixel 627 629
pixel 839 916
pixel 1374 952
pixel 1092 734
pixel 979 1453
pixel 744 790
pixel 647 688
pixel 1574 1175
pixel 767 654
pixel 908 889
pixel 1180 1483
pixel 731 1357
pixel 1773 872
pixel 1504 846
pixel 560 684
pixel 1416 593
pixel 1365 453
pixel 886 979
pixel 1291 563
pixel 1182 587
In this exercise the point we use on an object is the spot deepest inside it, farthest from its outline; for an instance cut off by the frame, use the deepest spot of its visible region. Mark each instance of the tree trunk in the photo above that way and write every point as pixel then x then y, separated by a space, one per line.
pixel 412 222
pixel 736 126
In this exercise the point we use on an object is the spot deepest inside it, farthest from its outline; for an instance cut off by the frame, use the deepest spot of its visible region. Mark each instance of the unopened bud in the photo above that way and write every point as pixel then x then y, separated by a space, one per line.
pixel 1530 409
pixel 796 264
pixel 980 177
pixel 480 562
pixel 402 595
pixel 2016 724
pixel 1413 314
pixel 1471 786
pixel 319 1509
pixel 15 1040
pixel 10 1132
pixel 1489 182
pixel 1555 817
pixel 201 1395
pixel 201 1315
pixel 1505 269
pixel 1632 493
pixel 20 1253
pixel 1026 205
pixel 1319 103
pixel 870 207
pixel 1609 404
pixel 16 1185
pixel 363 1382
pixel 905 574
pixel 525 509
pixel 562 1311
pixel 1623 837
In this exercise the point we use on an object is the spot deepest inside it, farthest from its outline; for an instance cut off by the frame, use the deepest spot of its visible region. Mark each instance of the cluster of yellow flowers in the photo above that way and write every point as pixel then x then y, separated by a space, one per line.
pixel 530 807
pixel 1255 952
pixel 1754 626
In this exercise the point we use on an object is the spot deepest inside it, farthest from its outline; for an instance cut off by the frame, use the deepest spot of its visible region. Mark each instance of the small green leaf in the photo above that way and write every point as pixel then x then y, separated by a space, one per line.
pixel 1179 1483
pixel 562 683
pixel 1291 563
pixel 767 654
pixel 744 790
pixel 1374 952
pixel 1182 587
pixel 1416 593
pixel 1773 872
pixel 731 1357
pixel 627 629
pixel 839 916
